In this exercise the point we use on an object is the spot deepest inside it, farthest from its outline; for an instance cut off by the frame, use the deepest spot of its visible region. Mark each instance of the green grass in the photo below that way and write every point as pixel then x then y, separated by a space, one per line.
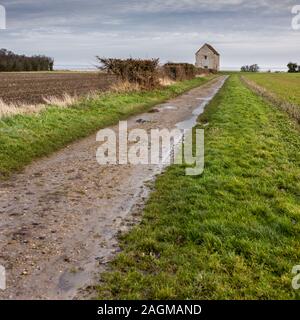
pixel 26 137
pixel 284 85
pixel 232 233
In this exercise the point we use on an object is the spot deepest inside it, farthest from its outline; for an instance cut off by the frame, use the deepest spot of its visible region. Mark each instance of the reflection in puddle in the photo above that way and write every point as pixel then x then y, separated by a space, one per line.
pixel 168 107
pixel 204 99
pixel 191 122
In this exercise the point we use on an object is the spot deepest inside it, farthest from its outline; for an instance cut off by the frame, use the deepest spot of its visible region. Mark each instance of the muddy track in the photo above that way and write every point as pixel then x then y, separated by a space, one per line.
pixel 60 218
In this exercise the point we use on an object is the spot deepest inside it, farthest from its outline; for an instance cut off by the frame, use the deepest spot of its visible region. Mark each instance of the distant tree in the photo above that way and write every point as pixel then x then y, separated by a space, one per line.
pixel 245 68
pixel 10 61
pixel 293 67
pixel 252 68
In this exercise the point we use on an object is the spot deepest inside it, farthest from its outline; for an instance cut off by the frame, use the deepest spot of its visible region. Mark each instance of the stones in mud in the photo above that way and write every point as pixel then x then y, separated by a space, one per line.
pixel 142 121
pixel 21 234
pixel 103 260
pixel 67 259
pixel 24 273
pixel 155 110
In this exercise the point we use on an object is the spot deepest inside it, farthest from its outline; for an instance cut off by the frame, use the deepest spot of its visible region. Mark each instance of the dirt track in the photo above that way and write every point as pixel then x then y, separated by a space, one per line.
pixel 60 218
pixel 31 87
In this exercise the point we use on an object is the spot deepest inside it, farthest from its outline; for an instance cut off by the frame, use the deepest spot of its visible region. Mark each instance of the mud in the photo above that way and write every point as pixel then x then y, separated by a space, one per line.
pixel 61 217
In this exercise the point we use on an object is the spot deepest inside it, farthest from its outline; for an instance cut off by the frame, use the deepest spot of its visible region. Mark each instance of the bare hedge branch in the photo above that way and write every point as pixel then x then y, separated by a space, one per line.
pixel 180 71
pixel 142 72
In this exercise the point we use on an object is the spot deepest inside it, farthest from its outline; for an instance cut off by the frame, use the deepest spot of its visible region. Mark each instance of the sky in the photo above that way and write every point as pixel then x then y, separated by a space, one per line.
pixel 73 32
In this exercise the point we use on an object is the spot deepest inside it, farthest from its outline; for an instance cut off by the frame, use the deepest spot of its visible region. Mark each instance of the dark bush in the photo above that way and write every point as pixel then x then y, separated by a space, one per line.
pixel 180 71
pixel 293 67
pixel 142 72
pixel 10 61
pixel 252 68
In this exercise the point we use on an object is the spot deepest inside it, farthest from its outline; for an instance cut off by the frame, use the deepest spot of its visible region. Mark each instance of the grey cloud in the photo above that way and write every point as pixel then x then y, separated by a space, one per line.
pixel 75 31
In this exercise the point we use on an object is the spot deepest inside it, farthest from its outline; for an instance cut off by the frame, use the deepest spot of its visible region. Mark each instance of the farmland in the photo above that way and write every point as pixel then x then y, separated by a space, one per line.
pixel 26 137
pixel 284 85
pixel 32 87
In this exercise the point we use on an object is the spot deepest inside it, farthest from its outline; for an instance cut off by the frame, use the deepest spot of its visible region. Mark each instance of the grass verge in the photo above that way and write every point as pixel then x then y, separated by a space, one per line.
pixel 26 137
pixel 232 233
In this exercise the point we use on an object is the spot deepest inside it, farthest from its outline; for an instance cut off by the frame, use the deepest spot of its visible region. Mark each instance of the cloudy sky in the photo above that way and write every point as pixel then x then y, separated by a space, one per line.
pixel 74 32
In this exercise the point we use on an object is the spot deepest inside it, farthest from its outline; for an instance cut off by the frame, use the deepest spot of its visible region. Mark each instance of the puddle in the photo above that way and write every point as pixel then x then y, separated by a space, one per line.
pixel 204 99
pixel 192 121
pixel 142 121
pixel 168 107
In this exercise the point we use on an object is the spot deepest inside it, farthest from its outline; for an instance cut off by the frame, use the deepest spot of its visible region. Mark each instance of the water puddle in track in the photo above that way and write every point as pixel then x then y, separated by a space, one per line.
pixel 192 121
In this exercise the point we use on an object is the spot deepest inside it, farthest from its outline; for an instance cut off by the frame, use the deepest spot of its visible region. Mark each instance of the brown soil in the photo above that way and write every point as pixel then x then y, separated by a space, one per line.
pixel 30 87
